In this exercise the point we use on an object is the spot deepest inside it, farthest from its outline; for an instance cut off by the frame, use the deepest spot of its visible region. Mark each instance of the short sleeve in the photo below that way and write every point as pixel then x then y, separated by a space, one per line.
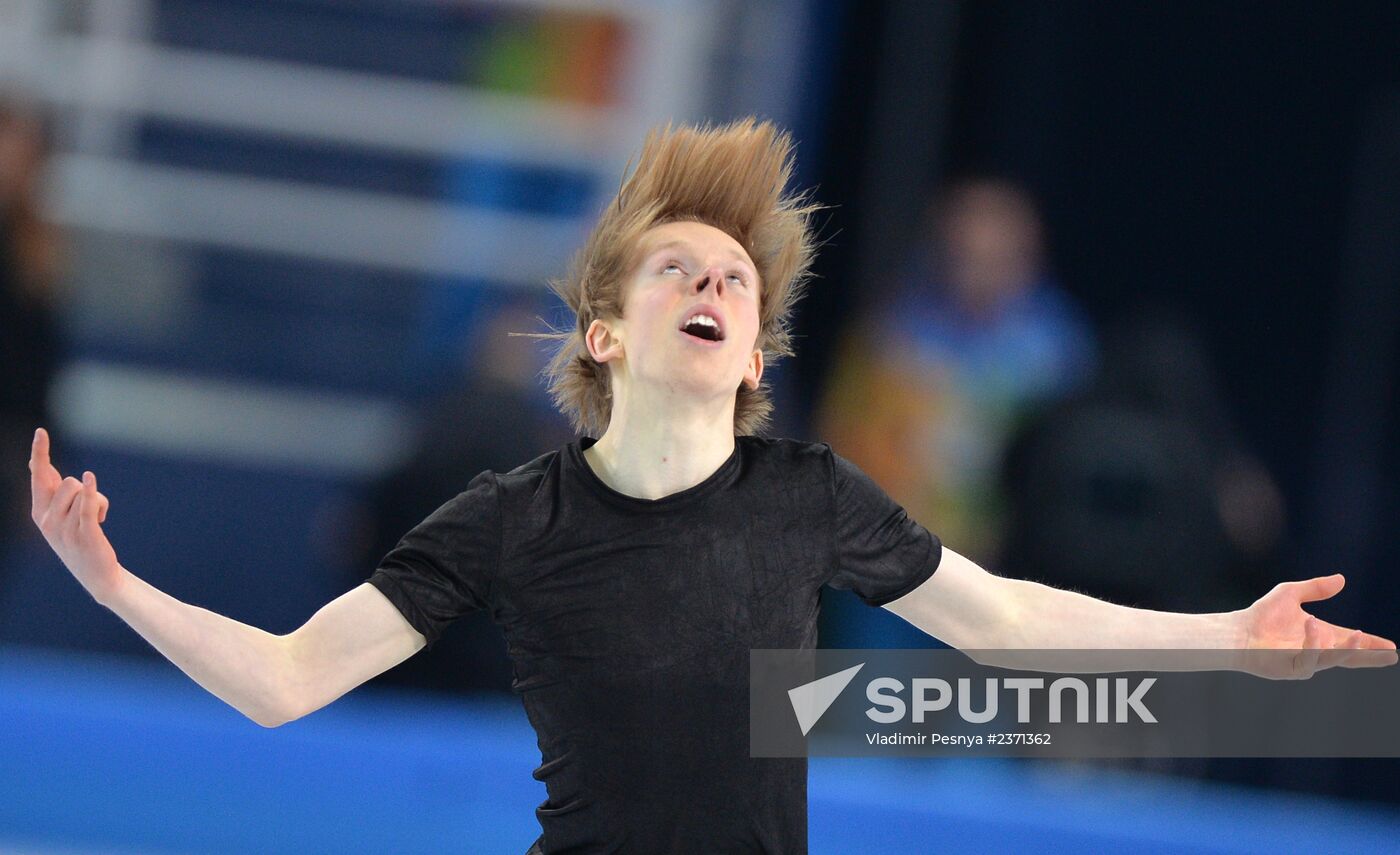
pixel 442 569
pixel 881 553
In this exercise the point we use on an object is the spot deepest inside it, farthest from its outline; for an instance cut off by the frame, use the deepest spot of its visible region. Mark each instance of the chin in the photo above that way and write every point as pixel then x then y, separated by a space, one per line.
pixel 704 386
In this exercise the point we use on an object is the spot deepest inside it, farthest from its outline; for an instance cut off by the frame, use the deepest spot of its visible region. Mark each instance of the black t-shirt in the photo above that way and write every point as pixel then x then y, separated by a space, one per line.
pixel 629 624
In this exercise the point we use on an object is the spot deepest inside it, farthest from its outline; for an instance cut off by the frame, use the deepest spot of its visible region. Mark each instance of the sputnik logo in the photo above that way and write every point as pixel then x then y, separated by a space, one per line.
pixel 811 700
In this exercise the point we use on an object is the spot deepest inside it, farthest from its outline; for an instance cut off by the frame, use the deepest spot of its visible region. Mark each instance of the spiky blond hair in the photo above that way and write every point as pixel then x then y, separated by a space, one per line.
pixel 732 177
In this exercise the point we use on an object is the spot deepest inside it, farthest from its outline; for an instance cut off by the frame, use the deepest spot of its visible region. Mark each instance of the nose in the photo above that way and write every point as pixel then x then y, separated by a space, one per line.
pixel 710 275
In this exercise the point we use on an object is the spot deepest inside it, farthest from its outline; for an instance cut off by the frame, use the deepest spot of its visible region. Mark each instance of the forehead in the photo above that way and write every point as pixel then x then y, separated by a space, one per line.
pixel 697 236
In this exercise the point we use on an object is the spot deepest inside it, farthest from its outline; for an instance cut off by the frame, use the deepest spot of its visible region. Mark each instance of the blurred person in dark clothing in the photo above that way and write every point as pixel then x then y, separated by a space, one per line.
pixel 29 271
pixel 499 397
pixel 1148 473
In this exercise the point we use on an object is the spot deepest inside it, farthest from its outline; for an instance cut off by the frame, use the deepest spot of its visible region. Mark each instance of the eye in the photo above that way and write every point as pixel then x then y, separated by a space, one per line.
pixel 672 265
pixel 738 279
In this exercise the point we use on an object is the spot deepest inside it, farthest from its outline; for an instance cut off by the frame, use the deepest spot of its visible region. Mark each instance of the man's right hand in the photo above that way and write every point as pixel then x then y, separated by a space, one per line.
pixel 70 513
pixel 272 679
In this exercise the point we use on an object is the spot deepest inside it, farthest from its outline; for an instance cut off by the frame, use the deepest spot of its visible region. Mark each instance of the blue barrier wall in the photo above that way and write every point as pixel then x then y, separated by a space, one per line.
pixel 113 754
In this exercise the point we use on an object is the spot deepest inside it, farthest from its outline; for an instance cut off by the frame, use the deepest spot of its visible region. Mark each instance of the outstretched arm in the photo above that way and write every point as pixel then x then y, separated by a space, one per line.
pixel 270 678
pixel 971 609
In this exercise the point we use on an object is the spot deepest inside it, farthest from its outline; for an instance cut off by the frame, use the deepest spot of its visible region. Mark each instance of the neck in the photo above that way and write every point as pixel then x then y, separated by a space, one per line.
pixel 653 452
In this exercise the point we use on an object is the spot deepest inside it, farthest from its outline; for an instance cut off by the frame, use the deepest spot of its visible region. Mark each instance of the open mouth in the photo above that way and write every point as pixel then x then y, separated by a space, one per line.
pixel 703 327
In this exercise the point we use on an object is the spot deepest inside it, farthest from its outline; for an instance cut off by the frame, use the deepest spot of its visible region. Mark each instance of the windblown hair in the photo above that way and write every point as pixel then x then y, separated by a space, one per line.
pixel 733 178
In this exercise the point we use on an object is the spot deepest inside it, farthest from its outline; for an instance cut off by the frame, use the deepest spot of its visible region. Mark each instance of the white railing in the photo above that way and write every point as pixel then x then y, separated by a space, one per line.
pixel 106 75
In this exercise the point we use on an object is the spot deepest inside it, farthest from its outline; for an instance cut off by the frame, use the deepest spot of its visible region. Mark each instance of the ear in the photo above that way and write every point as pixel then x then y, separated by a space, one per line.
pixel 602 345
pixel 754 371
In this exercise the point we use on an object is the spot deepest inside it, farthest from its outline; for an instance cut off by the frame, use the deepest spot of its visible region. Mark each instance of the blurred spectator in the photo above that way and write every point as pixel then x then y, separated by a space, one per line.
pixel 1141 491
pixel 497 417
pixel 974 337
pixel 1146 475
pixel 29 270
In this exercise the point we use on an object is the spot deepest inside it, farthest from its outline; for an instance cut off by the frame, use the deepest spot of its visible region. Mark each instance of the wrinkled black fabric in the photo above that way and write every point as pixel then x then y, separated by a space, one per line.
pixel 629 624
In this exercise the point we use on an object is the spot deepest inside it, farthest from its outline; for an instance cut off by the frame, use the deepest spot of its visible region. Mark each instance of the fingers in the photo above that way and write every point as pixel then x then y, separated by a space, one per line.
pixel 1365 650
pixel 1378 658
pixel 99 501
pixel 1339 635
pixel 40 452
pixel 90 511
pixel 73 523
pixel 68 517
pixel 43 478
pixel 1353 653
pixel 64 507
pixel 1352 648
pixel 54 496
pixel 67 493
pixel 1375 642
pixel 1317 588
pixel 1306 662
pixel 1341 652
pixel 94 504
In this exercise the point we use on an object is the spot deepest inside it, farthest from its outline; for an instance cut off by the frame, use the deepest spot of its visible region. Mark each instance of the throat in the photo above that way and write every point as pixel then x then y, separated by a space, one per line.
pixel 655 473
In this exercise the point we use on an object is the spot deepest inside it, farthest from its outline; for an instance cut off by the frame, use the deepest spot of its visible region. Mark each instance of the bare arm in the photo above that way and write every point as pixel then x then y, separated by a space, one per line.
pixel 971 609
pixel 270 678
pixel 356 636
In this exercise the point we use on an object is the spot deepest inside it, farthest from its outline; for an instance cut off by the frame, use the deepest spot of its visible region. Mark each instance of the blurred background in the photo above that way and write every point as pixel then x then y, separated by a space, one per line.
pixel 1108 299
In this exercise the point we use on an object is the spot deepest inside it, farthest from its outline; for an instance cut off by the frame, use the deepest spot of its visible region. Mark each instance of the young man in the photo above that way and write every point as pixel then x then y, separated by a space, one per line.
pixel 632 574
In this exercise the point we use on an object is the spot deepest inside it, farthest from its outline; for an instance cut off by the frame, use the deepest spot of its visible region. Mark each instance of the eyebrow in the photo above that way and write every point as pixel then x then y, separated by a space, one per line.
pixel 680 244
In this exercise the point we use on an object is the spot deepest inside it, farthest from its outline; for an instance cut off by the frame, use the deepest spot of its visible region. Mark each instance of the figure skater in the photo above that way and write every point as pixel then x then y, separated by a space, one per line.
pixel 633 569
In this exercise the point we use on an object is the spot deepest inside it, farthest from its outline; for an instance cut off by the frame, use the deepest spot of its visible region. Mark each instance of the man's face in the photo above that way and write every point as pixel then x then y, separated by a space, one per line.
pixel 685 270
pixel 991 245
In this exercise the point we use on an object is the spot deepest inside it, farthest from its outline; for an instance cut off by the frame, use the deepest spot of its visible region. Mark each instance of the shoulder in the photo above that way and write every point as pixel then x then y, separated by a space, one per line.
pixel 525 480
pixel 781 448
pixel 791 459
pixel 822 463
pixel 532 469
pixel 491 488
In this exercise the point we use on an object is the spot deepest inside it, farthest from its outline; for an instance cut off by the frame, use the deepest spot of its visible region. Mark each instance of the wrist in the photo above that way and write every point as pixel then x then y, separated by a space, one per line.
pixel 1234 627
pixel 111 595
